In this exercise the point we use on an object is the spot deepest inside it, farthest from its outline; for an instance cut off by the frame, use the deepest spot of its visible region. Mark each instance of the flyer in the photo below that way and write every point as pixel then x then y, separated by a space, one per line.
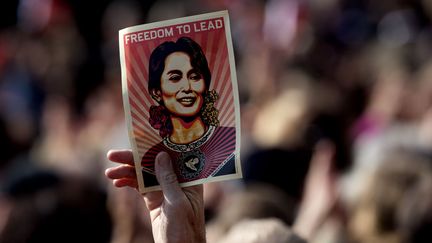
pixel 180 95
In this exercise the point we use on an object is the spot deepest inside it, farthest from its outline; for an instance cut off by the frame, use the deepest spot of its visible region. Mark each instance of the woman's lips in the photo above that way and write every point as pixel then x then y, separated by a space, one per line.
pixel 187 101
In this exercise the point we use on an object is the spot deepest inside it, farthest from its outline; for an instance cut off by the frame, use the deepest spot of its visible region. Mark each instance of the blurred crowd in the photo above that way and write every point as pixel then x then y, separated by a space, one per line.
pixel 344 86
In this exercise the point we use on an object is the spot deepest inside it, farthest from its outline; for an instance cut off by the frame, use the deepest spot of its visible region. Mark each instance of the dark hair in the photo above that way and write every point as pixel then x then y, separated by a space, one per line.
pixel 183 44
pixel 159 115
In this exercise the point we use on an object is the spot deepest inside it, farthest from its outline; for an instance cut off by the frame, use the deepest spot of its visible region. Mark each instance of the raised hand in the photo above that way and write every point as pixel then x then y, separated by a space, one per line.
pixel 177 214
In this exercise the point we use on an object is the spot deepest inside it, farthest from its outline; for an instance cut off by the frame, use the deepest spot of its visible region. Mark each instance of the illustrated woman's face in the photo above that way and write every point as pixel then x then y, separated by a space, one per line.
pixel 182 86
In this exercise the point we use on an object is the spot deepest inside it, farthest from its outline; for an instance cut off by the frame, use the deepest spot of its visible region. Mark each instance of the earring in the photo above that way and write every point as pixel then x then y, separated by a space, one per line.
pixel 156 95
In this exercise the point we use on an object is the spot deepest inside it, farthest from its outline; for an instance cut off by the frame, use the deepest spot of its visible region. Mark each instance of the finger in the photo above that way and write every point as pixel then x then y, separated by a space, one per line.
pixel 321 175
pixel 167 178
pixel 125 182
pixel 122 171
pixel 322 159
pixel 121 156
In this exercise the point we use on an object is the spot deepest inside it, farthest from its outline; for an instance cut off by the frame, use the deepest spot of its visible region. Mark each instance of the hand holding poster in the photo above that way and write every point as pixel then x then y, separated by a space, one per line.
pixel 180 96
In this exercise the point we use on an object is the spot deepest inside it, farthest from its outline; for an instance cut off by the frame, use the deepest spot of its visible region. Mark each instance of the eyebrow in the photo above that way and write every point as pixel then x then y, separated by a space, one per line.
pixel 175 71
pixel 194 70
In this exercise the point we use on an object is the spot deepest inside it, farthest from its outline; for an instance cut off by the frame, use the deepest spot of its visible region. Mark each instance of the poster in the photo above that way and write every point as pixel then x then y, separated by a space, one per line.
pixel 180 96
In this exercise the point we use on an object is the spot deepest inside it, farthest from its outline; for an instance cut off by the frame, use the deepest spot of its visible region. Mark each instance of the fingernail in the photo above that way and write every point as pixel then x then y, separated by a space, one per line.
pixel 108 154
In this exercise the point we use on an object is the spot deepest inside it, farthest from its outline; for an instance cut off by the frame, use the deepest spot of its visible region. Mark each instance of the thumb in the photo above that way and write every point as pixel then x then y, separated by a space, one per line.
pixel 167 178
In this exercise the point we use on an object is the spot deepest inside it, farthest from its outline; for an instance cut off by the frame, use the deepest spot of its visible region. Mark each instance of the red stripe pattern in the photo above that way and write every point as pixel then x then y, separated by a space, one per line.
pixel 214 46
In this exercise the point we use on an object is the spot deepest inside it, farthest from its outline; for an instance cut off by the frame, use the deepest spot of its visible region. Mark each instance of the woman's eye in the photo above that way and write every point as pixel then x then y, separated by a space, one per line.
pixel 195 76
pixel 175 78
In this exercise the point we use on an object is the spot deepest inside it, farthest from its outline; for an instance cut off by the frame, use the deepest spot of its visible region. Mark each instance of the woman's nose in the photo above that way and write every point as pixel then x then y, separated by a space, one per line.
pixel 187 84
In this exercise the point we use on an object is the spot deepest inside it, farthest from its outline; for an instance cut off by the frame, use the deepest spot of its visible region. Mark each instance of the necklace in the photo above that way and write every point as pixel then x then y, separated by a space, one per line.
pixel 190 146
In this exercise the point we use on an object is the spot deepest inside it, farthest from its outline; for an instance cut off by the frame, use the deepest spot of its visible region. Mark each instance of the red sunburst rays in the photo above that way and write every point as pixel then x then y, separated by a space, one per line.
pixel 213 44
pixel 221 150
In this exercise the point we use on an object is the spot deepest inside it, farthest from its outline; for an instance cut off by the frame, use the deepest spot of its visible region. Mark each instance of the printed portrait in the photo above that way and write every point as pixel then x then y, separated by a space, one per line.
pixel 180 95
